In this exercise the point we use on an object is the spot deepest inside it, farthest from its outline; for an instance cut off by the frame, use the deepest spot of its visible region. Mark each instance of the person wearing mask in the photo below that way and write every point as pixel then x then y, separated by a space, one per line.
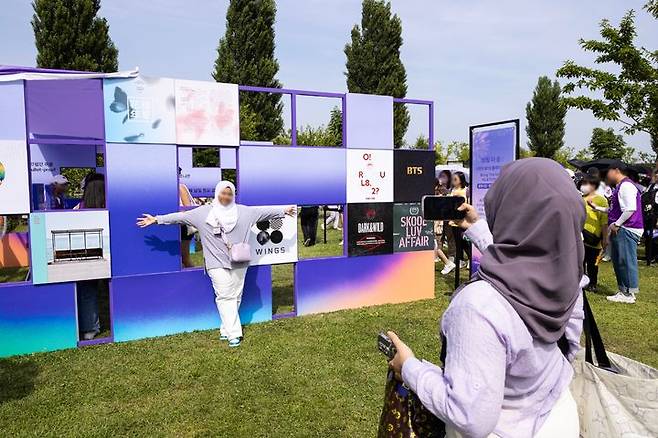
pixel 443 183
pixel 625 230
pixel 595 228
pixel 185 199
pixel 56 193
pixel 221 225
pixel 460 188
pixel 87 291
pixel 503 373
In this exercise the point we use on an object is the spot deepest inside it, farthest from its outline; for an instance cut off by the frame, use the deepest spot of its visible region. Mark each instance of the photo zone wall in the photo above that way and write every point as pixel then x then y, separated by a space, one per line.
pixel 14 181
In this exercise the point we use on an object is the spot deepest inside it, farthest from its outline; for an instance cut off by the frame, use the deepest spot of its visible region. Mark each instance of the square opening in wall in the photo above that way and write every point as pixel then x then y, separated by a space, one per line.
pixel 14 249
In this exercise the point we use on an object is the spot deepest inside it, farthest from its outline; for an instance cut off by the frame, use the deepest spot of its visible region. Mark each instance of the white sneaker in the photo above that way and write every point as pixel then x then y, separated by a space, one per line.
pixel 605 258
pixel 463 264
pixel 621 298
pixel 447 269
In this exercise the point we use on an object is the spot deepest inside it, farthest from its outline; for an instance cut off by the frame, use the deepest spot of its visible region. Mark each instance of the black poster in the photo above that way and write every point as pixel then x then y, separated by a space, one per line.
pixel 413 172
pixel 369 229
pixel 410 231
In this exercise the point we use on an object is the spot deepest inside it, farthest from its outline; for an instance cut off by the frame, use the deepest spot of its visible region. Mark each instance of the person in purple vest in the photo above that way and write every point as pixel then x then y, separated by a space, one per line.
pixel 625 228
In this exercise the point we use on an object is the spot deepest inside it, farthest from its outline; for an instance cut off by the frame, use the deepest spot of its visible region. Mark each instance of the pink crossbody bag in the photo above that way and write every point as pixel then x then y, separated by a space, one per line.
pixel 239 252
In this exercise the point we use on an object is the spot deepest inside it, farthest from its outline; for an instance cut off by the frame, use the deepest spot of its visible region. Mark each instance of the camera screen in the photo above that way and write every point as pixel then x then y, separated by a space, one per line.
pixel 440 208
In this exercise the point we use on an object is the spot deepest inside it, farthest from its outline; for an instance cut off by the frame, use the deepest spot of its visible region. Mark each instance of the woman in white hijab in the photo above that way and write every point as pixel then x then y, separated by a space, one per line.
pixel 224 228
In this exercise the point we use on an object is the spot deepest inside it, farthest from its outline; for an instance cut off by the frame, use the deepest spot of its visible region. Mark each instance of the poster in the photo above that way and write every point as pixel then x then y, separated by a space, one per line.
pixel 14 181
pixel 207 113
pixel 370 229
pixel 369 175
pixel 413 175
pixel 140 110
pixel 410 231
pixel 274 241
pixel 70 246
pixel 47 161
pixel 492 147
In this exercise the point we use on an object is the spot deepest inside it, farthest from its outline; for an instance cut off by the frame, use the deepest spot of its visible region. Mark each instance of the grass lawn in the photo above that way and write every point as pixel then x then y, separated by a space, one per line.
pixel 309 376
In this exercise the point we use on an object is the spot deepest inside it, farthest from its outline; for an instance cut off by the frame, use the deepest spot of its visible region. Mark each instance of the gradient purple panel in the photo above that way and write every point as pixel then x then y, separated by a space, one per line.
pixel 163 304
pixel 37 318
pixel 142 178
pixel 369 121
pixel 280 175
pixel 71 109
pixel 12 111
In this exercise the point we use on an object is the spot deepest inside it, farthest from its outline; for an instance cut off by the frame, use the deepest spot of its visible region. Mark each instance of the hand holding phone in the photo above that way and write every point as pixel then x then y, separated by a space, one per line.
pixel 386 346
pixel 443 208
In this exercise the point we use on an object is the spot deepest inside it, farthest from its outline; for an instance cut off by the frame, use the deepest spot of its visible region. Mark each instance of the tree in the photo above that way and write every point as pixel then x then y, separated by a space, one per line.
pixel 629 96
pixel 245 56
pixel 545 114
pixel 373 60
pixel 69 35
pixel 606 144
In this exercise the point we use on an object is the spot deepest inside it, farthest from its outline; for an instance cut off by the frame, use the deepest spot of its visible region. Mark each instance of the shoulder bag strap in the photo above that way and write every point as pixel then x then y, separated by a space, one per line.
pixel 593 339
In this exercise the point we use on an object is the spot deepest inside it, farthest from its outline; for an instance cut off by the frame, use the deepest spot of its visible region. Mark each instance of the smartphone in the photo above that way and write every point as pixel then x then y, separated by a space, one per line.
pixel 386 346
pixel 442 208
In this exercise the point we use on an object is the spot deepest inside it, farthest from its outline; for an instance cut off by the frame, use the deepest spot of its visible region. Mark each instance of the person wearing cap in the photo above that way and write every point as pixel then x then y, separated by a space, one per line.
pixel 625 229
pixel 55 193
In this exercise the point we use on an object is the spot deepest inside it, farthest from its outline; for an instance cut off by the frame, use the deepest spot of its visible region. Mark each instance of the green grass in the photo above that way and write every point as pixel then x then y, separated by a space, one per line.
pixel 311 376
pixel 11 275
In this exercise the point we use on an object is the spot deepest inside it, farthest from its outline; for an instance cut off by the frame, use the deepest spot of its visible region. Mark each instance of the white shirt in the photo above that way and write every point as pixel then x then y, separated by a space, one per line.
pixel 627 197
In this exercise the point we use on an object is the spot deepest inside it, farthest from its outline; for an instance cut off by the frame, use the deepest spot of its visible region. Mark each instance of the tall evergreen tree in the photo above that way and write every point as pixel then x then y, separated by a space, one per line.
pixel 69 35
pixel 245 56
pixel 545 115
pixel 606 144
pixel 373 59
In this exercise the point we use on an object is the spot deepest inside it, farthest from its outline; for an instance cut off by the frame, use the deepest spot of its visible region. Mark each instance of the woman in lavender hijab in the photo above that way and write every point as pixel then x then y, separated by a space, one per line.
pixel 504 374
pixel 222 224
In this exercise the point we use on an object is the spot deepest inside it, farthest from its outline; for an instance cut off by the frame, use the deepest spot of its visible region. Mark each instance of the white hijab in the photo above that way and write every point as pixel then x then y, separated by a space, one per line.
pixel 224 216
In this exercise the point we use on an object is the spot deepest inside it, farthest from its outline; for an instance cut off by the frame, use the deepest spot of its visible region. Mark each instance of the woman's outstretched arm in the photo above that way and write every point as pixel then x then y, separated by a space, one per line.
pixel 267 213
pixel 181 217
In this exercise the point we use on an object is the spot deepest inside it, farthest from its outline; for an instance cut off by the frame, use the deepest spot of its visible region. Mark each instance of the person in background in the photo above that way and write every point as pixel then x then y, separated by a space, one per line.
pixel 56 193
pixel 650 211
pixel 308 217
pixel 625 230
pixel 88 290
pixel 503 372
pixel 439 228
pixel 334 217
pixel 443 183
pixel 460 188
pixel 221 225
pixel 595 229
pixel 185 199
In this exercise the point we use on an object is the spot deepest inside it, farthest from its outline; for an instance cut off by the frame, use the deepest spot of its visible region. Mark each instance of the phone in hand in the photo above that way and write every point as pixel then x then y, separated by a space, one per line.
pixel 386 346
pixel 442 208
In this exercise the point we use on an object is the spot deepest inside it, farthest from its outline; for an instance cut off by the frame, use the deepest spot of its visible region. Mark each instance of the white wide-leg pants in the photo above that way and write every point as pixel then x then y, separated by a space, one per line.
pixel 228 285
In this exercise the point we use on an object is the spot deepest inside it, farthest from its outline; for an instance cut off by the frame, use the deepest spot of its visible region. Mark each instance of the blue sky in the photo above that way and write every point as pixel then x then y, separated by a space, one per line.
pixel 478 60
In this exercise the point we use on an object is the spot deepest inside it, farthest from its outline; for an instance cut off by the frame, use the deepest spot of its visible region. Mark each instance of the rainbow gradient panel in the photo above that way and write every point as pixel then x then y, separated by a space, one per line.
pixel 325 285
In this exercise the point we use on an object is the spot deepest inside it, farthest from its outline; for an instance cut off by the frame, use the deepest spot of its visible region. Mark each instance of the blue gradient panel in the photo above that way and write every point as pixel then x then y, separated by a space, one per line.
pixel 142 178
pixel 369 120
pixel 37 318
pixel 12 111
pixel 163 304
pixel 280 175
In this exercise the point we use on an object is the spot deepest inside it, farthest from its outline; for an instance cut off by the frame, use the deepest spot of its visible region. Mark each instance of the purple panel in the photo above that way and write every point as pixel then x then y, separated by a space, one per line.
pixel 228 158
pixel 142 178
pixel 37 318
pixel 65 109
pixel 369 121
pixel 279 175
pixel 12 111
pixel 163 304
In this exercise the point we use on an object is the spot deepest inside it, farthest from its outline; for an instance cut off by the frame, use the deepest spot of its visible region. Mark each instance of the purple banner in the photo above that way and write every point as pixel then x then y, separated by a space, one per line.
pixel 492 147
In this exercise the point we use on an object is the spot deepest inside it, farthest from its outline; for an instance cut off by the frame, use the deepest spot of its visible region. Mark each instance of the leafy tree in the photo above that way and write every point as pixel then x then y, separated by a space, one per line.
pixel 525 153
pixel 245 56
pixel 459 151
pixel 606 144
pixel 373 60
pixel 335 127
pixel 69 35
pixel 629 96
pixel 545 115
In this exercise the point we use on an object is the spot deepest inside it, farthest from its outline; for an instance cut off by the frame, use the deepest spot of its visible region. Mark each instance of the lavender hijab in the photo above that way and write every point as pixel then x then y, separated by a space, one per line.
pixel 536 216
